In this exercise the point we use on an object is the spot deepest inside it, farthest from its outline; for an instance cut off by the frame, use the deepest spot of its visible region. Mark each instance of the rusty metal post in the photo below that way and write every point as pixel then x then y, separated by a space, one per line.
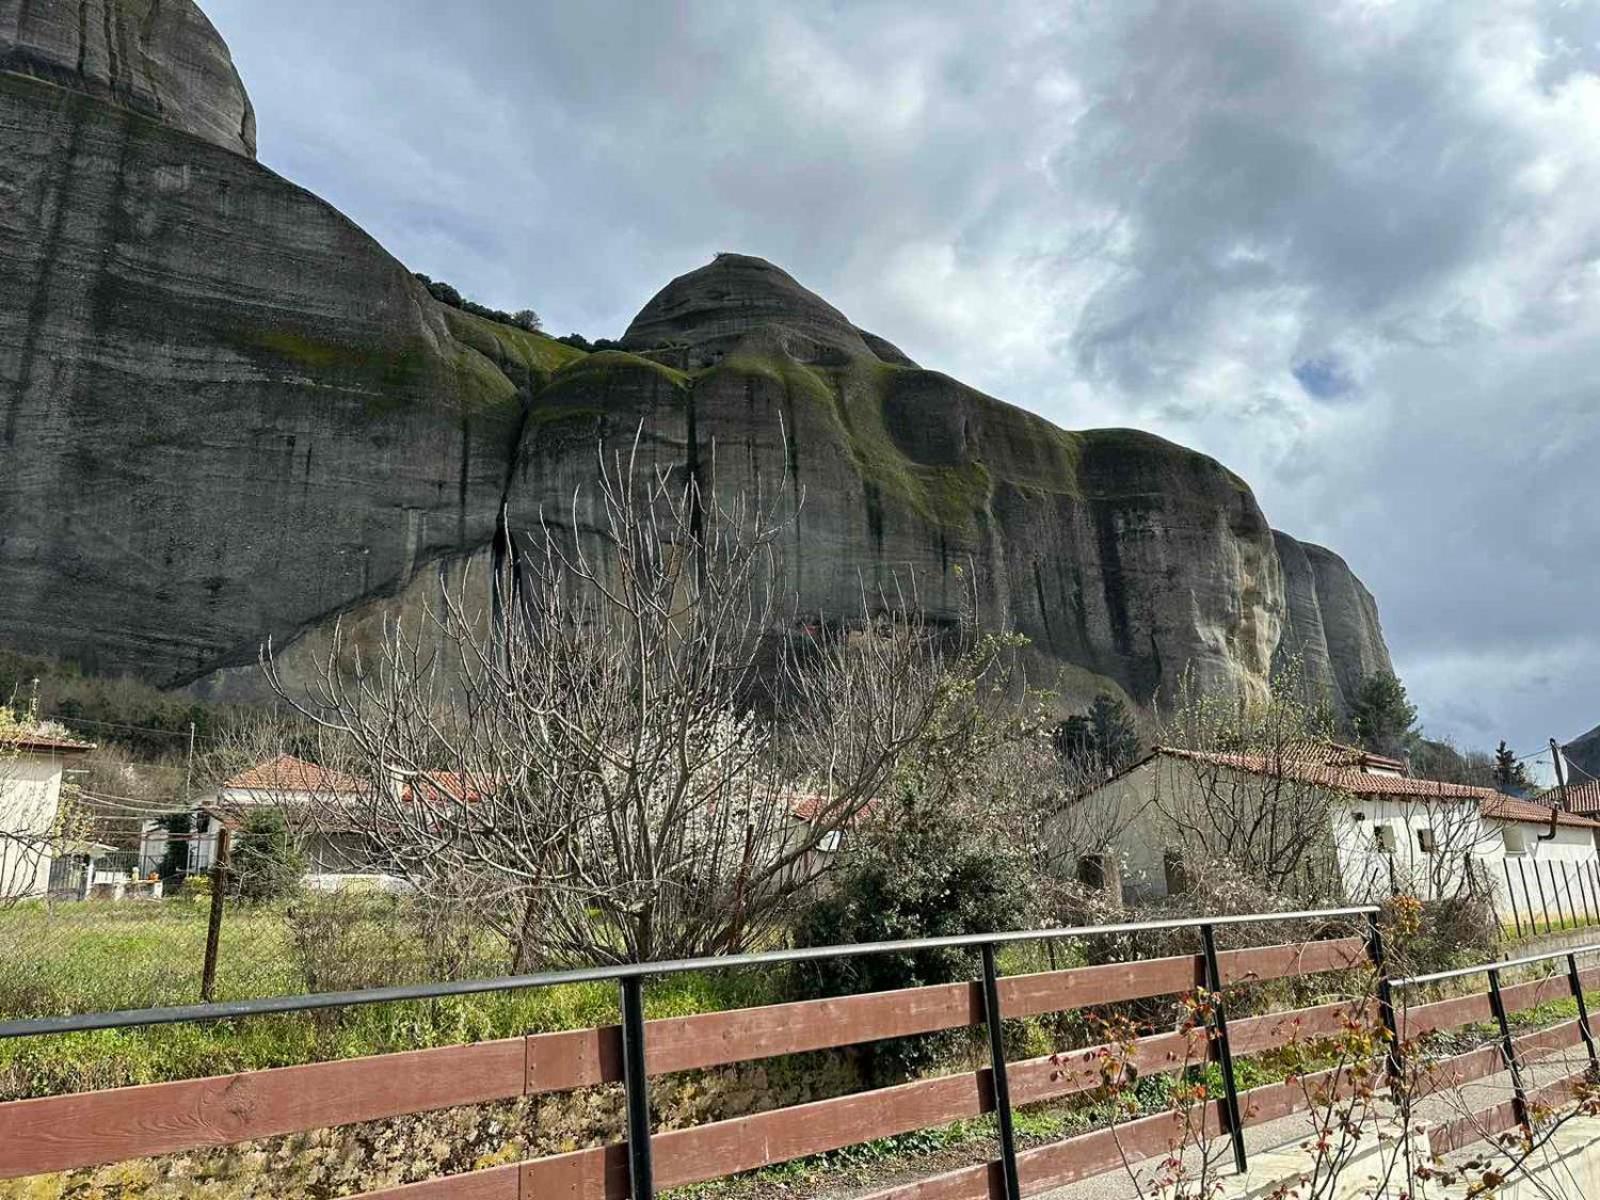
pixel 219 885
pixel 1508 1050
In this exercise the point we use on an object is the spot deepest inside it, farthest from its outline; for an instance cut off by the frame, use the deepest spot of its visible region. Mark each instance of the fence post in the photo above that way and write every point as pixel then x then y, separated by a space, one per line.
pixel 997 1073
pixel 1219 1024
pixel 1587 890
pixel 1392 1061
pixel 1566 886
pixel 1576 981
pixel 1511 895
pixel 1508 1049
pixel 641 1174
pixel 219 884
pixel 1588 913
pixel 1544 902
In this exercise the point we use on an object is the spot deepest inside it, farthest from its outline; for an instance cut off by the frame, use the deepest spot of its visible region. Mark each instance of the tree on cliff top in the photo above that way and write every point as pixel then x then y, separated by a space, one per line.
pixel 1385 720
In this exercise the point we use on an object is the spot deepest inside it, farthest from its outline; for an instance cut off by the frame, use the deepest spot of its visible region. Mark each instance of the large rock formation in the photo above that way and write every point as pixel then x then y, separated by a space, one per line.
pixel 158 57
pixel 1331 621
pixel 226 413
pixel 224 410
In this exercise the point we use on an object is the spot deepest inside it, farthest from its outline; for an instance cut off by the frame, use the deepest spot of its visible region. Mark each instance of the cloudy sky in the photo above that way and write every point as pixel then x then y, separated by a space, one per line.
pixel 1349 247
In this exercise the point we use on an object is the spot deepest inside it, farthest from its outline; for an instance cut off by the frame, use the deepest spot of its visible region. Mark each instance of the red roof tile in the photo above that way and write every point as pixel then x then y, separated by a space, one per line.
pixel 1363 783
pixel 1581 797
pixel 288 774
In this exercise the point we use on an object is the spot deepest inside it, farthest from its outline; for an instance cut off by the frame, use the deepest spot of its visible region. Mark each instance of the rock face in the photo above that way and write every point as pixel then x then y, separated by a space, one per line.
pixel 1584 754
pixel 157 57
pixel 1121 556
pixel 224 410
pixel 226 413
pixel 1331 621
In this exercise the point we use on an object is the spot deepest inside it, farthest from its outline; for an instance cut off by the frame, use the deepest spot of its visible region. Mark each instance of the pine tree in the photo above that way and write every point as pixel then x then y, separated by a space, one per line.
pixel 1384 718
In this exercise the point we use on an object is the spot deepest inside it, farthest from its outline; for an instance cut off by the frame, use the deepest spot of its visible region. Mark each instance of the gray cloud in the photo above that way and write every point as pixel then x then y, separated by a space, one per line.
pixel 1349 248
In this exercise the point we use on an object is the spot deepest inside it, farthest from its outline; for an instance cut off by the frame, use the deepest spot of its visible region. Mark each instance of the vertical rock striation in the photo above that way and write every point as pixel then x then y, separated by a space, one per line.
pixel 1331 621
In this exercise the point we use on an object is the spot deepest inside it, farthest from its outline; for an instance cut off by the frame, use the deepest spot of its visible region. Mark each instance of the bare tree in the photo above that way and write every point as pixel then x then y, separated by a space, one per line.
pixel 1233 787
pixel 633 750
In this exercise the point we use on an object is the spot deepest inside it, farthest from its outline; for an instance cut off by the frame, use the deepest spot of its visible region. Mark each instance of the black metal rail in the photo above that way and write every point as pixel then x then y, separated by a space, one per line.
pixel 631 977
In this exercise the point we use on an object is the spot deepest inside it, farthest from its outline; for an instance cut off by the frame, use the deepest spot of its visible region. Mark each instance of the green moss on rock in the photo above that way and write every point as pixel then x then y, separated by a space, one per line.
pixel 534 352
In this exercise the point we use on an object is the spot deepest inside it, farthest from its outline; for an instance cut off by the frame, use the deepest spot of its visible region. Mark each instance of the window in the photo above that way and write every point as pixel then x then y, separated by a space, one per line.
pixel 1177 877
pixel 1092 871
pixel 1515 839
pixel 1384 837
pixel 1425 841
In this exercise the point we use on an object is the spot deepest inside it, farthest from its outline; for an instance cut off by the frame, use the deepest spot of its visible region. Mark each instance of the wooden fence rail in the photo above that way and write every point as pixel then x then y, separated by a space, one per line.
pixel 62 1133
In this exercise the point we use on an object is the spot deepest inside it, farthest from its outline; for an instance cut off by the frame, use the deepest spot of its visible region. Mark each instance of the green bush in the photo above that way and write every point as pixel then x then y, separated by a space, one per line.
pixel 265 863
pixel 920 870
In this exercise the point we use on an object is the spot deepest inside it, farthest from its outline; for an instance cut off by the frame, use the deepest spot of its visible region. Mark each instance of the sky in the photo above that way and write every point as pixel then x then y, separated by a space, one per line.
pixel 1351 248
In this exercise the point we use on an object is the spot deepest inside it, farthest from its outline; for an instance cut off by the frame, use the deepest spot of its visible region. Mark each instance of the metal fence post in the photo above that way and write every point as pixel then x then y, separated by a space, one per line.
pixel 1588 914
pixel 641 1175
pixel 1392 1060
pixel 1576 981
pixel 997 1073
pixel 219 886
pixel 1219 1023
pixel 1566 886
pixel 1511 896
pixel 1508 1049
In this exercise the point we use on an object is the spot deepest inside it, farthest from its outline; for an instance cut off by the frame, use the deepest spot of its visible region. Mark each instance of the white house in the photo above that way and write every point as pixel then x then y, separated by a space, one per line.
pixel 1387 831
pixel 317 804
pixel 32 765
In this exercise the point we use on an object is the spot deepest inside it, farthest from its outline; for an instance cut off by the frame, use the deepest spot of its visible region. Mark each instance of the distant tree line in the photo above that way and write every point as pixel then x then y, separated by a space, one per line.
pixel 444 293
pixel 583 343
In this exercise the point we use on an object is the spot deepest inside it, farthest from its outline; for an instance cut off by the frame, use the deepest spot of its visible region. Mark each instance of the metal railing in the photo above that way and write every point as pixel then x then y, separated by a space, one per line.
pixel 1497 1006
pixel 630 979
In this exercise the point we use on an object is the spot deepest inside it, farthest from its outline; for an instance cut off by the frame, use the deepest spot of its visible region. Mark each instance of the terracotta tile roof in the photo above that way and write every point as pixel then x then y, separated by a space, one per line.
pixel 451 785
pixel 1363 783
pixel 45 743
pixel 1509 808
pixel 288 774
pixel 1581 797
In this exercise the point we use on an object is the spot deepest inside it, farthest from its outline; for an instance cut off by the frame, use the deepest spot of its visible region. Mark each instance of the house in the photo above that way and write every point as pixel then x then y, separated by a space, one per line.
pixel 326 812
pixel 311 799
pixel 1360 816
pixel 33 763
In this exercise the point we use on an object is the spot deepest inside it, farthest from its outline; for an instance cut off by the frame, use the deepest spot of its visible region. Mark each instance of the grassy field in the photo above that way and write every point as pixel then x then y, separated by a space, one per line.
pixel 88 957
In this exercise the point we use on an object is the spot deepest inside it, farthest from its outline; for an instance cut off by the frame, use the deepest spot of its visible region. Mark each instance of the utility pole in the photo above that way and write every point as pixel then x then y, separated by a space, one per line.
pixel 1561 775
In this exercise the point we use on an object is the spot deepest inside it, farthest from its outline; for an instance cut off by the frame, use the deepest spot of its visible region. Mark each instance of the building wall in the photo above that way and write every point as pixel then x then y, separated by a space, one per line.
pixel 1566 867
pixel 1432 843
pixel 30 799
pixel 1426 850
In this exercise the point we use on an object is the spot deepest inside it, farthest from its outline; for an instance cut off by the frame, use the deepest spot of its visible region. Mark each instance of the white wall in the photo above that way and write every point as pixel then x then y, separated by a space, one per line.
pixel 30 798
pixel 1564 865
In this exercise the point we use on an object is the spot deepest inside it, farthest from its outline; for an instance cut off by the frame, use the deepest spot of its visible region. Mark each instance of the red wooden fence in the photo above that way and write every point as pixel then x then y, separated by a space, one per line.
pixel 88 1129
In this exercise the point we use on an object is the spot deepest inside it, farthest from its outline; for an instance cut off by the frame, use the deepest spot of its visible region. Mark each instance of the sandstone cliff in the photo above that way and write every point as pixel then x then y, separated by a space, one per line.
pixel 158 57
pixel 225 413
pixel 1331 621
